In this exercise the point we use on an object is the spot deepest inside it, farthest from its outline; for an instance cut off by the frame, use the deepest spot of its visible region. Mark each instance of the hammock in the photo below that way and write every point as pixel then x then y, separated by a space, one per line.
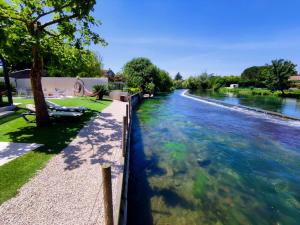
pixel 89 93
pixel 80 90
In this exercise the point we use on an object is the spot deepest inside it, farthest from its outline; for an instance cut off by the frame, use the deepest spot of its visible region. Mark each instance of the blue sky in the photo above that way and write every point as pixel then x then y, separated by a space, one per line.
pixel 194 36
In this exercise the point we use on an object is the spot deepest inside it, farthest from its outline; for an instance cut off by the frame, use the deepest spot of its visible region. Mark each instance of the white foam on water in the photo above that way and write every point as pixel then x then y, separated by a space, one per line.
pixel 261 115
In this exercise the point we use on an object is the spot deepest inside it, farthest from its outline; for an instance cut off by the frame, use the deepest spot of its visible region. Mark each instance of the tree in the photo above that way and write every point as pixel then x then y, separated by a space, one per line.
pixel 38 22
pixel 139 72
pixel 279 75
pixel 164 83
pixel 150 88
pixel 178 76
pixel 201 82
pixel 255 76
pixel 68 61
pixel 101 90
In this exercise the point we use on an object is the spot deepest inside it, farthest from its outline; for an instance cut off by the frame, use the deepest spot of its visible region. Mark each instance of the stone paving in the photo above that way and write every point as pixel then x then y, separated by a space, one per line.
pixel 11 150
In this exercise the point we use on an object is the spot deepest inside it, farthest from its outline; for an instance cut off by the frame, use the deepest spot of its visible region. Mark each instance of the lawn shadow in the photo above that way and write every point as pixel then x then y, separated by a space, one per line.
pixel 55 137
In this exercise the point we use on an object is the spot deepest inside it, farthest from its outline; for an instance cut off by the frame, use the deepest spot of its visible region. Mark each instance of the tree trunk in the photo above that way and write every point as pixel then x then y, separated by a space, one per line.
pixel 99 97
pixel 42 116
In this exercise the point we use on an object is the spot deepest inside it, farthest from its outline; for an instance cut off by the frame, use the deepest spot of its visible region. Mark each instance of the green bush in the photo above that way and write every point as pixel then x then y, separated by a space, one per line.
pixel 101 90
pixel 133 90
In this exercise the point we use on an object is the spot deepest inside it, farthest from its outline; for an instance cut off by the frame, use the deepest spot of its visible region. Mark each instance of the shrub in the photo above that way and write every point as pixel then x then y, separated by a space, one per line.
pixel 133 90
pixel 101 90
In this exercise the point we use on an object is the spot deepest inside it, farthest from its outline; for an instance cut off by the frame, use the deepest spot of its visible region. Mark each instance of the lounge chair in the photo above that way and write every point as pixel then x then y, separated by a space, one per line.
pixel 53 114
pixel 57 107
pixel 60 92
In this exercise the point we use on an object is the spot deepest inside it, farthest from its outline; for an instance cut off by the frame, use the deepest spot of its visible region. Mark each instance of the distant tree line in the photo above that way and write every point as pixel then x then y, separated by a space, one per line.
pixel 273 77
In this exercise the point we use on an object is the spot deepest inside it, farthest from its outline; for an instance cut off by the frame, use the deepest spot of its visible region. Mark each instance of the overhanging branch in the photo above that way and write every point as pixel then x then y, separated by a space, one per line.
pixel 13 18
pixel 59 20
pixel 52 11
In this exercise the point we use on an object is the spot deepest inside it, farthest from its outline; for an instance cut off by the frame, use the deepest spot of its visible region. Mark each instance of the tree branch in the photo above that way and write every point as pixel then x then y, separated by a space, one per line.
pixel 59 20
pixel 52 11
pixel 51 34
pixel 13 18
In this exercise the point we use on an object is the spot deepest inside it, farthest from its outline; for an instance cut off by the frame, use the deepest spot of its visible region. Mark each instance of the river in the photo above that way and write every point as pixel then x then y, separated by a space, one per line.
pixel 197 163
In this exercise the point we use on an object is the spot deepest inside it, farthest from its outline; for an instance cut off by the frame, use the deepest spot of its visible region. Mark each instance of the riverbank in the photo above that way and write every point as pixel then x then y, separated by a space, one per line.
pixel 284 107
pixel 261 91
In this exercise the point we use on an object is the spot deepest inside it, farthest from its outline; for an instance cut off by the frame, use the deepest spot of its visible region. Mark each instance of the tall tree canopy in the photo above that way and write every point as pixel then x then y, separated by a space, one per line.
pixel 67 61
pixel 279 75
pixel 143 74
pixel 255 76
pixel 31 27
pixel 139 72
pixel 164 83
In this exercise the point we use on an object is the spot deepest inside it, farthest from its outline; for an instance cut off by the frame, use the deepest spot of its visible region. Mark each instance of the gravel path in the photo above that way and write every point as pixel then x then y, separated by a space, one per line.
pixel 69 189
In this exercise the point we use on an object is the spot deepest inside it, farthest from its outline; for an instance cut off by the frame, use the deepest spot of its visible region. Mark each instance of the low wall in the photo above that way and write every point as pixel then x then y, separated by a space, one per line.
pixel 116 95
pixel 134 101
pixel 62 83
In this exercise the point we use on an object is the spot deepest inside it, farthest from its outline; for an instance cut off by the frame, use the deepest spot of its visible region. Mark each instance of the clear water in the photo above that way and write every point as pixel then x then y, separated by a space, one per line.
pixel 195 163
pixel 287 106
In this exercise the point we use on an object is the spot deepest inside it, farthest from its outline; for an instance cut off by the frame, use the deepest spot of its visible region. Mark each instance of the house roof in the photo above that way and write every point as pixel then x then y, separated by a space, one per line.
pixel 294 78
pixel 108 73
pixel 20 74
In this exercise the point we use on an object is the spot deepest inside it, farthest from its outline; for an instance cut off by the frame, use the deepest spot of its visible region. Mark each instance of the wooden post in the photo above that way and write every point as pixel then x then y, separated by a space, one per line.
pixel 124 136
pixel 129 103
pixel 107 195
pixel 127 114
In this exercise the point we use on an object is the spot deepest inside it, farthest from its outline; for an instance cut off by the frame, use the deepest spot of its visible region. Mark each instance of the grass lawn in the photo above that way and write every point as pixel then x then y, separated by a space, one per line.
pixel 17 172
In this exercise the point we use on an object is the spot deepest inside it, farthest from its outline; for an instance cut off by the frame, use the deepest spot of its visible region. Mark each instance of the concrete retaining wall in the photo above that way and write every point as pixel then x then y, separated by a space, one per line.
pixel 134 102
pixel 116 95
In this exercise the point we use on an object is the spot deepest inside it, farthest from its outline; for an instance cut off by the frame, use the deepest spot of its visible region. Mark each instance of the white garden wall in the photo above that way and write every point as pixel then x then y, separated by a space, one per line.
pixel 63 83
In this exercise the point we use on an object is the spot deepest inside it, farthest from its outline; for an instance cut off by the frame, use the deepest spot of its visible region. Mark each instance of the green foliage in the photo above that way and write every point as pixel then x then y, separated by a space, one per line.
pixel 150 88
pixel 141 73
pixel 60 28
pixel 293 93
pixel 178 76
pixel 164 83
pixel 206 81
pixel 178 84
pixel 255 76
pixel 33 27
pixel 68 61
pixel 279 75
pixel 1 72
pixel 133 90
pixel 101 90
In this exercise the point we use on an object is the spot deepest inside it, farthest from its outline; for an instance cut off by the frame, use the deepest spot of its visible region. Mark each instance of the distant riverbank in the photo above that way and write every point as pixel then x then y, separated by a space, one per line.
pixel 261 91
pixel 283 105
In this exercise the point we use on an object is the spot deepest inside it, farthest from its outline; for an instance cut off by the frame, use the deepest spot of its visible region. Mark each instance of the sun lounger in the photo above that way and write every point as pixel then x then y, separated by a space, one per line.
pixel 57 107
pixel 53 114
